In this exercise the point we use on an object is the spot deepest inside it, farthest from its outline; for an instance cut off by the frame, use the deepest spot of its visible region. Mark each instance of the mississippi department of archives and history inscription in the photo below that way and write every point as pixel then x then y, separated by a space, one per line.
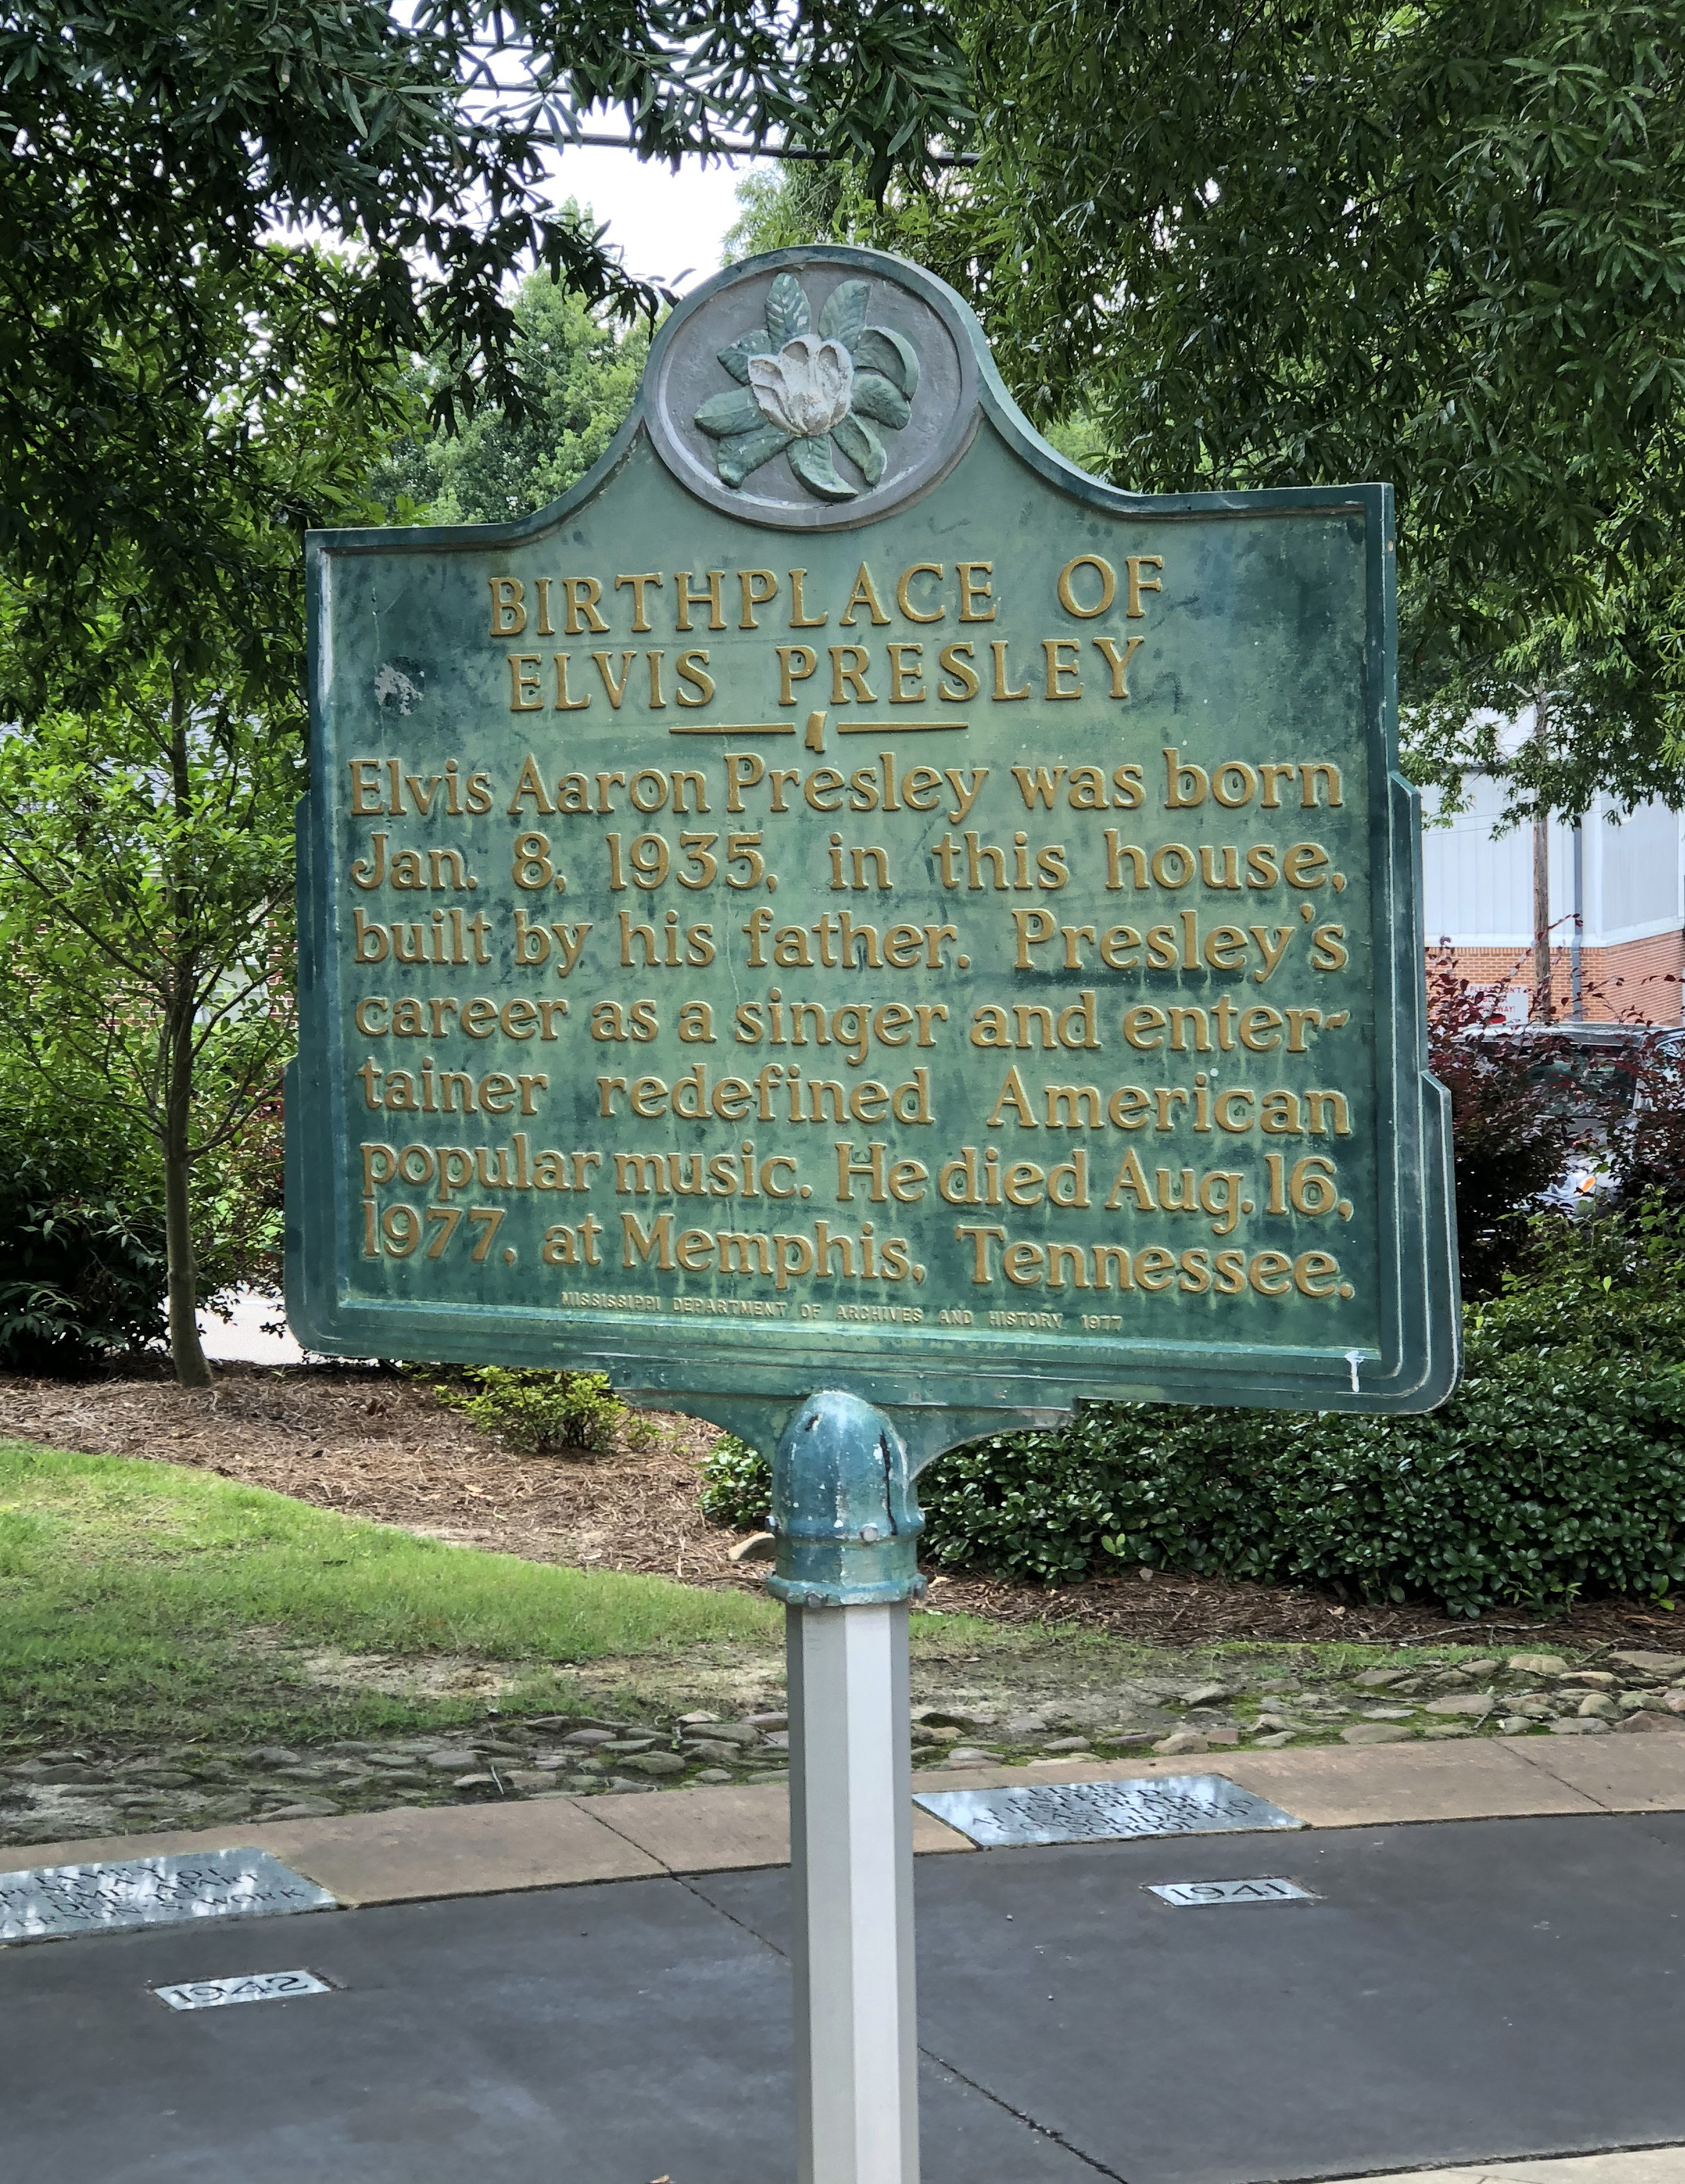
pixel 843 898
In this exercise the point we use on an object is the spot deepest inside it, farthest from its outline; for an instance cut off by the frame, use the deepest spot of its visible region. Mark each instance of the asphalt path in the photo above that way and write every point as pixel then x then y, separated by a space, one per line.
pixel 1456 1992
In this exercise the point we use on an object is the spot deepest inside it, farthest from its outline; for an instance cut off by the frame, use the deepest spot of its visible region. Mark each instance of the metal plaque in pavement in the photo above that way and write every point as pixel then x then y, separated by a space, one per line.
pixel 49 1901
pixel 1089 1812
pixel 244 1986
pixel 1274 1890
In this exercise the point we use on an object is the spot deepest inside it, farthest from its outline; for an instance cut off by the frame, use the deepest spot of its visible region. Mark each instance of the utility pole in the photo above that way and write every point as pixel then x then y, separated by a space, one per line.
pixel 1544 1008
pixel 1576 960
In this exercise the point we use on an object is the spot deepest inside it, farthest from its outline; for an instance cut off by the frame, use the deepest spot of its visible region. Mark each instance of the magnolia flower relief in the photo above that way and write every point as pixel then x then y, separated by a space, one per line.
pixel 805 387
pixel 812 397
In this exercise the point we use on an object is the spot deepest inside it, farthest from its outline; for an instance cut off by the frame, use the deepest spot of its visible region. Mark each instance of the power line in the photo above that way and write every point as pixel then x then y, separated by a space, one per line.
pixel 562 139
pixel 562 133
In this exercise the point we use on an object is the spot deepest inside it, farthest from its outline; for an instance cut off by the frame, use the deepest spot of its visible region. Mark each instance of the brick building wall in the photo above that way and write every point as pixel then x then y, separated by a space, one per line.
pixel 1632 979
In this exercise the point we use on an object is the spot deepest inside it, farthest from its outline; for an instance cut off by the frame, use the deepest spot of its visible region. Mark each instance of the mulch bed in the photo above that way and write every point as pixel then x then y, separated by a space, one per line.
pixel 376 1444
pixel 1194 1611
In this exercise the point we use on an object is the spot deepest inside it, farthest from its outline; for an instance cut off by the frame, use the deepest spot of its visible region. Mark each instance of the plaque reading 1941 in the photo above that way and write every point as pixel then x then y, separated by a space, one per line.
pixel 845 900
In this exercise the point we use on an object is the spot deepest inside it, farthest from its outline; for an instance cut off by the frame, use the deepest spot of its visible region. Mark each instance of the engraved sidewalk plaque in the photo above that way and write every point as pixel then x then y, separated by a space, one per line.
pixel 1092 1811
pixel 247 1987
pixel 1187 1892
pixel 50 1901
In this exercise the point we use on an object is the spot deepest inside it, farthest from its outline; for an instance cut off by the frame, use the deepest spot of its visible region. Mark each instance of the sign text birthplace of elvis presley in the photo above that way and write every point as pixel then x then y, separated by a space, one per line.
pixel 843 900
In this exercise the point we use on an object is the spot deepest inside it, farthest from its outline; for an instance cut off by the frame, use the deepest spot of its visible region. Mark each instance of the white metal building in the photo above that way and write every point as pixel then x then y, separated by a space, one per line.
pixel 1621 879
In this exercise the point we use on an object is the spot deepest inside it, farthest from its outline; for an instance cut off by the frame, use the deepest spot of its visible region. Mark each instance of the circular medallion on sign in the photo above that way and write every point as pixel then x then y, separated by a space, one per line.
pixel 813 390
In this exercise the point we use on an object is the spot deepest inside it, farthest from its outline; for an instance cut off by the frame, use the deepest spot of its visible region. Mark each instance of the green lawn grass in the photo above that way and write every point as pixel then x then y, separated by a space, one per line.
pixel 142 1600
pixel 143 1604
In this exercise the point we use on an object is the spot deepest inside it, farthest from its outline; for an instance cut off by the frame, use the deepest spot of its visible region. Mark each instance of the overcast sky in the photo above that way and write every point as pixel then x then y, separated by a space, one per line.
pixel 670 226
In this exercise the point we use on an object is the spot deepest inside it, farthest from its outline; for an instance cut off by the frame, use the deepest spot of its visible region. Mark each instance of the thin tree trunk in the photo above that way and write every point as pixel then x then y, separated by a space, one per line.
pixel 1544 1005
pixel 185 1349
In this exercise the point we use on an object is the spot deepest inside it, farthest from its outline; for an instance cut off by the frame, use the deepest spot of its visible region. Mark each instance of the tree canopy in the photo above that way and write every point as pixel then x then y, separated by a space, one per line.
pixel 1313 234
pixel 1310 241
pixel 150 148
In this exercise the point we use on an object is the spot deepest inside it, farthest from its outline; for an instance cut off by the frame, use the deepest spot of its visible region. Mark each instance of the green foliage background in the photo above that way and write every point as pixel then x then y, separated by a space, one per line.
pixel 580 373
pixel 81 1241
pixel 1281 244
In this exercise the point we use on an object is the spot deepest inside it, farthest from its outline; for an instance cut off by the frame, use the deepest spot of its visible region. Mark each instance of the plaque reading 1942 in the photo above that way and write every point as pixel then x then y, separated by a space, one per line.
pixel 845 900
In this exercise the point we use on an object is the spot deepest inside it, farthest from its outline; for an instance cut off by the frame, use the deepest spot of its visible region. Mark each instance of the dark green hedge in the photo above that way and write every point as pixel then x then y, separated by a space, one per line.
pixel 81 1264
pixel 1558 1469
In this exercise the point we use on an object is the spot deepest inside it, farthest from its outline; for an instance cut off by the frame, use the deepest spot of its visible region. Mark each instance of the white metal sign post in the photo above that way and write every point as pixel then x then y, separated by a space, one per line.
pixel 847 1528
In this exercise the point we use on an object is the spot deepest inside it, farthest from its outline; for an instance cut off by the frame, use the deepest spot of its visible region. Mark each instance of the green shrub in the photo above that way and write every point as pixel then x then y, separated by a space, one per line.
pixel 81 1223
pixel 1514 1103
pixel 537 1413
pixel 81 1249
pixel 737 1485
pixel 1557 1469
pixel 239 1217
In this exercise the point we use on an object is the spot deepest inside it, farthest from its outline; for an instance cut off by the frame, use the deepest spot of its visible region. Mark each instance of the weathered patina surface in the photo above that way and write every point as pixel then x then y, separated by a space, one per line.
pixel 868 906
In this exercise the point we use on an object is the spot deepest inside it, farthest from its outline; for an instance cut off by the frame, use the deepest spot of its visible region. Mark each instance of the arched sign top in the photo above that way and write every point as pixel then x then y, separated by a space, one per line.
pixel 813 390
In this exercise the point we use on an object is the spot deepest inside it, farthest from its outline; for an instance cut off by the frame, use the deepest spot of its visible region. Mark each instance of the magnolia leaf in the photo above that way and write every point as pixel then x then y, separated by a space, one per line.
pixel 759 343
pixel 845 313
pixel 875 397
pixel 879 349
pixel 734 411
pixel 863 446
pixel 747 451
pixel 786 310
pixel 810 460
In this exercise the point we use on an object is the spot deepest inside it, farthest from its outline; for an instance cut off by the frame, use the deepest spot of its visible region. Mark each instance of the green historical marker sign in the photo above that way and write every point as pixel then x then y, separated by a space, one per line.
pixel 844 900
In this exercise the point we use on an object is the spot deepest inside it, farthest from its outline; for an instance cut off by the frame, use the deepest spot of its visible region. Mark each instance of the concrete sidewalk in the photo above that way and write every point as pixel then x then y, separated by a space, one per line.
pixel 559 1840
pixel 1457 1995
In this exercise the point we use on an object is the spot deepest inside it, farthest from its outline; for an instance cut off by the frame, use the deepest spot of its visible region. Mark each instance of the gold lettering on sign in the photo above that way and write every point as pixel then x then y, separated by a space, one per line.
pixel 1112 1071
pixel 973 588
pixel 904 591
pixel 637 586
pixel 525 695
pixel 509 612
pixel 1106 590
pixel 1138 583
pixel 707 593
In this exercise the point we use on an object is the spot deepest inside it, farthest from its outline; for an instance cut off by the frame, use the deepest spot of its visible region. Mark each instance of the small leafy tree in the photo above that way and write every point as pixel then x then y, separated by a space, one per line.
pixel 145 913
pixel 146 801
pixel 802 201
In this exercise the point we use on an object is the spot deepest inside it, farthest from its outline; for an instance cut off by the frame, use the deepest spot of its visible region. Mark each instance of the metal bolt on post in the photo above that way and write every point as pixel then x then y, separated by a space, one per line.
pixel 847 1522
